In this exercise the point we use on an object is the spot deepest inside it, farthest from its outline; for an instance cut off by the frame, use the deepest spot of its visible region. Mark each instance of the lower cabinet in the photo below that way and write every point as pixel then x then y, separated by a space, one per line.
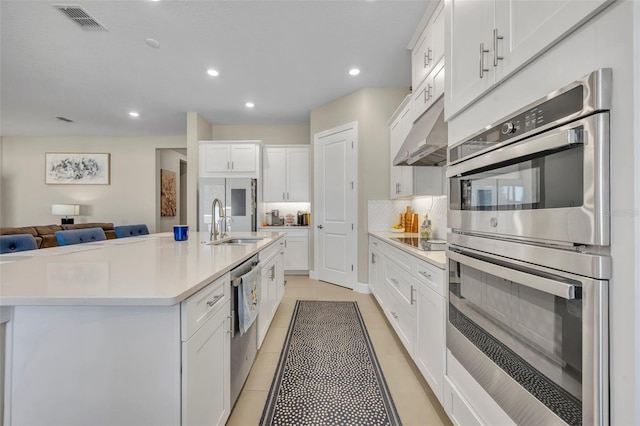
pixel 429 348
pixel 411 294
pixel 296 250
pixel 271 287
pixel 205 373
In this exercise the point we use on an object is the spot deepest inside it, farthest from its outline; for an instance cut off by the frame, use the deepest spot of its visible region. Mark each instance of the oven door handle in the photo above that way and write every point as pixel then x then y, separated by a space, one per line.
pixel 546 285
pixel 568 136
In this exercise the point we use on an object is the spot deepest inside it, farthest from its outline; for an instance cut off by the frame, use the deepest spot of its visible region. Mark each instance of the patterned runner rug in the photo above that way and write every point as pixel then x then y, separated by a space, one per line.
pixel 328 373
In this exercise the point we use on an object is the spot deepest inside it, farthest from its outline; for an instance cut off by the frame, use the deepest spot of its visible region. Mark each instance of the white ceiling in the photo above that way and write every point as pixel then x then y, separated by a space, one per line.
pixel 287 57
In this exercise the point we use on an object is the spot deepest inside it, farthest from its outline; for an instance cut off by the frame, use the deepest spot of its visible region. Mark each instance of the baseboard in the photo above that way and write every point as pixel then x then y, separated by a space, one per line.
pixel 362 288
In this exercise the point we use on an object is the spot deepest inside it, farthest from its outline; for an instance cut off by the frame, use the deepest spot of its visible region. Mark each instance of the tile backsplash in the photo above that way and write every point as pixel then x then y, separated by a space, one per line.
pixel 383 214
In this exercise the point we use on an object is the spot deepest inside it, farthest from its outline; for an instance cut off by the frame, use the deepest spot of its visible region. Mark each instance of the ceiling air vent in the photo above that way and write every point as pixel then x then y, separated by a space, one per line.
pixel 80 17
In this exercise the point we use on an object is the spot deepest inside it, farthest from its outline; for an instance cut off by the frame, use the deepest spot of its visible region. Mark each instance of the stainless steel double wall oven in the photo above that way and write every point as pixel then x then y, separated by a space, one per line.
pixel 529 256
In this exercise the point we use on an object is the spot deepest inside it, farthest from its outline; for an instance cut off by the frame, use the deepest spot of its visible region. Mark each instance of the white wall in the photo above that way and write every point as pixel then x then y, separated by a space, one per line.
pixel 168 159
pixel 129 199
pixel 295 134
pixel 606 41
pixel 197 129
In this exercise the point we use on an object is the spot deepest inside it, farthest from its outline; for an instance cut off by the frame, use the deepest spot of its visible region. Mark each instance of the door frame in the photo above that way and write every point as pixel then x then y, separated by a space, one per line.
pixel 353 164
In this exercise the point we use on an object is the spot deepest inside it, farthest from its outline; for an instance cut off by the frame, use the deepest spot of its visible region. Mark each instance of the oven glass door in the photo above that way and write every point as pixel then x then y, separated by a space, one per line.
pixel 548 181
pixel 529 323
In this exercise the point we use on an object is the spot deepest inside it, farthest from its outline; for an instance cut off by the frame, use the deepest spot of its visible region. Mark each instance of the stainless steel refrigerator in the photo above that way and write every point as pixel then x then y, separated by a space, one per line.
pixel 238 196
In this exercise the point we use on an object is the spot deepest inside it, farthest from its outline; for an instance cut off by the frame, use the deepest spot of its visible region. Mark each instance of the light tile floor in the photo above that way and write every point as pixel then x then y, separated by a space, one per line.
pixel 414 400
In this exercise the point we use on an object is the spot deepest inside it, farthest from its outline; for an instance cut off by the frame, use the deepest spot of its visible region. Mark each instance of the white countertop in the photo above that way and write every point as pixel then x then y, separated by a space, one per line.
pixel 437 257
pixel 146 270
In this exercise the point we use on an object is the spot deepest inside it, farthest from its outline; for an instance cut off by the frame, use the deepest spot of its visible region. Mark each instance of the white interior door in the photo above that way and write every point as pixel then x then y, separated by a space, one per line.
pixel 335 205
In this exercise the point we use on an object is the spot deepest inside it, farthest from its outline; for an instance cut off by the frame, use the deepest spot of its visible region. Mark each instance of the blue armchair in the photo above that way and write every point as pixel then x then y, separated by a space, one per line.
pixel 123 231
pixel 78 236
pixel 17 242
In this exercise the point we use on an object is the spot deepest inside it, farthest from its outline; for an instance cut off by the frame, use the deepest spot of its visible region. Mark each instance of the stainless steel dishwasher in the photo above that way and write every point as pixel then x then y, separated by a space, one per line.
pixel 243 347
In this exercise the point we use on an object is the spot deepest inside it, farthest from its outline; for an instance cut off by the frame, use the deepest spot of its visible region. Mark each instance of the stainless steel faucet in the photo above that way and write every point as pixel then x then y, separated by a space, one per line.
pixel 215 232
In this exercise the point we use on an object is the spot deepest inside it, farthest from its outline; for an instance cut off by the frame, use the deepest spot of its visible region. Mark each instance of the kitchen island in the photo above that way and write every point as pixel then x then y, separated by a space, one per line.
pixel 129 331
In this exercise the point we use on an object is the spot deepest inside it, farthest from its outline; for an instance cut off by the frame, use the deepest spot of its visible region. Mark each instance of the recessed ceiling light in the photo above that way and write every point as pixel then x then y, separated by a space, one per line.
pixel 152 42
pixel 249 105
pixel 212 72
pixel 354 71
pixel 134 114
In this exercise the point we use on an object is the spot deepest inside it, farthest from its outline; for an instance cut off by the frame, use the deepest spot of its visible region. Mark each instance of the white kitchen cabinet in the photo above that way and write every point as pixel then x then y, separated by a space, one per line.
pixel 411 292
pixel 429 49
pixel 271 287
pixel 286 174
pixel 401 177
pixel 429 91
pixel 429 348
pixel 376 271
pixel 205 372
pixel 206 386
pixel 220 159
pixel 401 308
pixel 296 251
pixel 490 40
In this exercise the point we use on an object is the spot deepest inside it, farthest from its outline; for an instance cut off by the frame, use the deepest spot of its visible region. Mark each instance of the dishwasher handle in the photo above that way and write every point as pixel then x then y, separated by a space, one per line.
pixel 236 281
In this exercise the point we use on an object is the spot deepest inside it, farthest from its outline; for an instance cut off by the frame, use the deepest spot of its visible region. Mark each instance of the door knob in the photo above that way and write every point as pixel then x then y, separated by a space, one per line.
pixel 320 226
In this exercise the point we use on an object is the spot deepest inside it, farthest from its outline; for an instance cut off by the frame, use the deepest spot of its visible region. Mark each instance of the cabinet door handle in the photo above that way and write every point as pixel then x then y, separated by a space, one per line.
pixel 230 331
pixel 373 258
pixel 482 52
pixel 232 167
pixel 428 55
pixel 496 37
pixel 412 299
pixel 215 300
pixel 285 243
pixel 429 87
pixel 425 96
pixel 399 187
pixel 283 196
pixel 273 273
pixel 426 60
pixel 394 315
pixel 393 280
pixel 287 195
pixel 424 274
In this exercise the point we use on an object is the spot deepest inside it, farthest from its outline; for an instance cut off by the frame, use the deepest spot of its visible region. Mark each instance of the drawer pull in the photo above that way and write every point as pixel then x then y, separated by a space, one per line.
pixel 424 274
pixel 394 315
pixel 230 331
pixel 393 280
pixel 215 300
pixel 412 299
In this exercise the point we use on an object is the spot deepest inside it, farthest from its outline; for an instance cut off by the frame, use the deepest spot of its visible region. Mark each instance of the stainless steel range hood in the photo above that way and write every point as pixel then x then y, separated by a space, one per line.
pixel 426 142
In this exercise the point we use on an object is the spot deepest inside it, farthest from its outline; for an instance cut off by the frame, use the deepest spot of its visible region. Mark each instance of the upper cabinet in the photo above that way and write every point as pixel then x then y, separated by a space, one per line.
pixel 286 174
pixel 429 48
pixel 223 159
pixel 490 40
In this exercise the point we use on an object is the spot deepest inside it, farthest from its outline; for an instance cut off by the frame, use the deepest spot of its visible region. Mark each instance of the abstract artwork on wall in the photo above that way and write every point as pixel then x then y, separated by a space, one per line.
pixel 77 168
pixel 168 195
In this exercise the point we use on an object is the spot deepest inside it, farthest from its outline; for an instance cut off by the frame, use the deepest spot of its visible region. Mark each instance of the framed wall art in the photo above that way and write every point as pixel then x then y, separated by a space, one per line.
pixel 168 193
pixel 77 168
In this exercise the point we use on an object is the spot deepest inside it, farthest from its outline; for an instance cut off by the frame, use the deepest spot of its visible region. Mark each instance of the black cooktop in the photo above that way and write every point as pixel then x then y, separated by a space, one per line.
pixel 428 245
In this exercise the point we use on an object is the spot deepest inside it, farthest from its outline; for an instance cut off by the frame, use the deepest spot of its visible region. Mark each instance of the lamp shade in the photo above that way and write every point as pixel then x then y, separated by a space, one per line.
pixel 65 209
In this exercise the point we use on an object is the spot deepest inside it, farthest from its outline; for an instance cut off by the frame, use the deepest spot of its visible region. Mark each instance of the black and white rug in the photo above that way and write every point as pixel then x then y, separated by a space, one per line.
pixel 328 373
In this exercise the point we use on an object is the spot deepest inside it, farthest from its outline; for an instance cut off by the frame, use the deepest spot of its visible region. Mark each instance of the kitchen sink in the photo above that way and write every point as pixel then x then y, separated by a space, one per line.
pixel 244 241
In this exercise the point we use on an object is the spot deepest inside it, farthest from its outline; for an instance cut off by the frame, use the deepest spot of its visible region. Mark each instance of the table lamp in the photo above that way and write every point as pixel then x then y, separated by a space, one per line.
pixel 65 210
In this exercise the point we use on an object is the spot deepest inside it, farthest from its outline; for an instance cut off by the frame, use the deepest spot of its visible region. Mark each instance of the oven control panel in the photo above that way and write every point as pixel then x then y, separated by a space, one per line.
pixel 548 111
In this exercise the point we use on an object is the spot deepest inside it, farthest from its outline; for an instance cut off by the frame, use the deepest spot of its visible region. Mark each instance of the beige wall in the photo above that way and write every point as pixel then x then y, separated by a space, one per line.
pixel 297 134
pixel 130 198
pixel 371 108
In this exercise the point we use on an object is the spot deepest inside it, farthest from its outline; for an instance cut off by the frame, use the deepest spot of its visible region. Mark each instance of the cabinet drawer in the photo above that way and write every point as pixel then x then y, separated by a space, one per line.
pixel 402 317
pixel 400 282
pixel 302 232
pixel 430 275
pixel 271 251
pixel 403 259
pixel 457 408
pixel 203 305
